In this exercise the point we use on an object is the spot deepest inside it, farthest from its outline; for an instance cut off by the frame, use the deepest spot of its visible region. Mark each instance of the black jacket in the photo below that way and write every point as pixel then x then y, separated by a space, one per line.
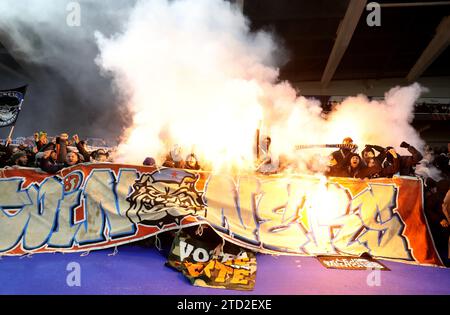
pixel 5 155
pixel 50 166
pixel 61 150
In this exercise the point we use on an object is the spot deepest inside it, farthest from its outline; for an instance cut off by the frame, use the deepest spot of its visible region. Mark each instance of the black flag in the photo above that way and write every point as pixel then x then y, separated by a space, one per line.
pixel 10 105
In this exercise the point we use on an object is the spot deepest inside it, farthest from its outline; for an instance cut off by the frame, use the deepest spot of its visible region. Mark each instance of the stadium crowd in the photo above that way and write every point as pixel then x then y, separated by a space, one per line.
pixel 50 156
pixel 375 161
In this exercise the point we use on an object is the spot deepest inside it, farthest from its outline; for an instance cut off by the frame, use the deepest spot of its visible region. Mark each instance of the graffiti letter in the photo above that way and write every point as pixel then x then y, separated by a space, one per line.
pixel 42 219
pixel 276 229
pixel 185 250
pixel 15 205
pixel 384 228
pixel 227 208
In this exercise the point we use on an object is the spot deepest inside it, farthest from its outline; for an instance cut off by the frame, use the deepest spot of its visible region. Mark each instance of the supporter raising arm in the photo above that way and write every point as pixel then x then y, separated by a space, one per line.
pixel 82 149
pixel 389 169
pixel 369 152
pixel 61 147
pixel 40 138
pixel 408 163
pixel 48 164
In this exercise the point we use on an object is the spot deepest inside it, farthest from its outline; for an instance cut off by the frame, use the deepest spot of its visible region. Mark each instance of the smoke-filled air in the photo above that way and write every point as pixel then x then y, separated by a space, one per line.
pixel 195 76
pixel 192 74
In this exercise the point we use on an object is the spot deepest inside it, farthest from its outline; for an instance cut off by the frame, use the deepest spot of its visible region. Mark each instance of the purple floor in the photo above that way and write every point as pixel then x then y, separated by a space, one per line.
pixel 138 270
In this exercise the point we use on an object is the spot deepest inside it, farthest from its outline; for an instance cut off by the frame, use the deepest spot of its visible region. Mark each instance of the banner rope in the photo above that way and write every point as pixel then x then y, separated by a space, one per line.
pixel 199 231
pixel 115 252
pixel 29 255
pixel 158 243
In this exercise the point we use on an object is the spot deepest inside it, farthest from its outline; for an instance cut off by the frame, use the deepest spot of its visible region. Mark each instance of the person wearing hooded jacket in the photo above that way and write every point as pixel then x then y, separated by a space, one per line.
pixel 173 158
pixel 369 152
pixel 374 168
pixel 81 149
pixel 343 153
pixel 408 163
pixel 334 169
pixel 354 165
pixel 47 162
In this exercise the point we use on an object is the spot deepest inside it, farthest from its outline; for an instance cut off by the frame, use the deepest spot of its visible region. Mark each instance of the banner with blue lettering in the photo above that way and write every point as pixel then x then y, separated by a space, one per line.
pixel 94 206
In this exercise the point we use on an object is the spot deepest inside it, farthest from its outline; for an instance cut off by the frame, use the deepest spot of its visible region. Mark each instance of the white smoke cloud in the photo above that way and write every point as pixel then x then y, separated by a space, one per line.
pixel 66 91
pixel 193 70
pixel 192 73
pixel 195 75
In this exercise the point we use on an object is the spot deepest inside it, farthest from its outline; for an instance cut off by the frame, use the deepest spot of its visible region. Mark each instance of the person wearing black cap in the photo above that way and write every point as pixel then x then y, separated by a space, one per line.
pixel 174 158
pixel 19 158
pixel 436 211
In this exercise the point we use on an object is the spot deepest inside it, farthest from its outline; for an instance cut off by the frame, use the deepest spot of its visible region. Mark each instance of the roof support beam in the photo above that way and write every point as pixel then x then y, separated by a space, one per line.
pixel 344 35
pixel 437 45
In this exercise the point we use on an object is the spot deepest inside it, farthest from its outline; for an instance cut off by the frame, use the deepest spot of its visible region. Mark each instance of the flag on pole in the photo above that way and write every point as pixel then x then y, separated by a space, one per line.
pixel 10 105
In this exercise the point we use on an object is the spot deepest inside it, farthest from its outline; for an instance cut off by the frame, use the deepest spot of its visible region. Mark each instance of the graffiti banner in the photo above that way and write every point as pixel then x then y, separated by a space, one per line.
pixel 95 206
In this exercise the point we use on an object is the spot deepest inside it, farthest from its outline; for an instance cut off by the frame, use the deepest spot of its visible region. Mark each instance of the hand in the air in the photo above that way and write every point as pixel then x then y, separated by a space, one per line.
pixel 404 145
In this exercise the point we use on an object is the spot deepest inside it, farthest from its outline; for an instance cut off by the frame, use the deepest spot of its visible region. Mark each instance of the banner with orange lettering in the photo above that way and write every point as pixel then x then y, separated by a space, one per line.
pixel 94 206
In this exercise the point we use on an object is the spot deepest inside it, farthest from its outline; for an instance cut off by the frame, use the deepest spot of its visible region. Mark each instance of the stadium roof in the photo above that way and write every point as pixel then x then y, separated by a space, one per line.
pixel 326 44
